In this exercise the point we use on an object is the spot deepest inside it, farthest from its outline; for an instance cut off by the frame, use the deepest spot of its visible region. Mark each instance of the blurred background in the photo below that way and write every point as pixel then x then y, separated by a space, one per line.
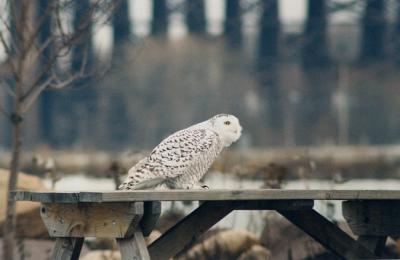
pixel 315 84
pixel 294 72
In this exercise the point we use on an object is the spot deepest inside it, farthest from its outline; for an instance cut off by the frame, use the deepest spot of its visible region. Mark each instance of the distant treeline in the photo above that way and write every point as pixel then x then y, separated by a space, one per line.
pixel 324 84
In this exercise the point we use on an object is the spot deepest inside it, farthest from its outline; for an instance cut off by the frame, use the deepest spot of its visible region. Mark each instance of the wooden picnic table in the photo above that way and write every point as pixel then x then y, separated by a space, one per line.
pixel 128 216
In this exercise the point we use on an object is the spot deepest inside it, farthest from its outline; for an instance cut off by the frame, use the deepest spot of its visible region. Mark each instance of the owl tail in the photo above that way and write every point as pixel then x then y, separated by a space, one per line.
pixel 145 184
pixel 142 182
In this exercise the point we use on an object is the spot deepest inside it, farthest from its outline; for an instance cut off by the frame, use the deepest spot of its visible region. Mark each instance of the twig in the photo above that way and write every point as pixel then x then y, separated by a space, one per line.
pixel 8 89
pixel 59 84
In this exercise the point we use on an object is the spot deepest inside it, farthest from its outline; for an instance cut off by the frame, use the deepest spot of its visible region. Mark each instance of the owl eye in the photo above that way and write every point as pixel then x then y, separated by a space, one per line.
pixel 227 122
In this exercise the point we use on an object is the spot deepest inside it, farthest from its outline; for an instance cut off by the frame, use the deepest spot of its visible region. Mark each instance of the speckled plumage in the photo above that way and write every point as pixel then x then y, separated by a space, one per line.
pixel 182 159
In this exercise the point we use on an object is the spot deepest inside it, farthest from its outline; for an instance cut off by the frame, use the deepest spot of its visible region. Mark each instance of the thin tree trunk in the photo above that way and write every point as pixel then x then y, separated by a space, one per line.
pixel 268 47
pixel 195 17
pixel 10 220
pixel 267 62
pixel 315 52
pixel 233 23
pixel 121 33
pixel 159 24
pixel 373 26
pixel 46 101
pixel 397 35
pixel 18 11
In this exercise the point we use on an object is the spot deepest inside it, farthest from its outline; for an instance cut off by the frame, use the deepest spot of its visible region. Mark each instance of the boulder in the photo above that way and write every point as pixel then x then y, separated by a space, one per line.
pixel 256 252
pixel 102 255
pixel 29 223
pixel 223 244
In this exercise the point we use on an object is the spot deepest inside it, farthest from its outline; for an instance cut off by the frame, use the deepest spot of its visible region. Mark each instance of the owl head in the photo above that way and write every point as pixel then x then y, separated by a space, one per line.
pixel 227 127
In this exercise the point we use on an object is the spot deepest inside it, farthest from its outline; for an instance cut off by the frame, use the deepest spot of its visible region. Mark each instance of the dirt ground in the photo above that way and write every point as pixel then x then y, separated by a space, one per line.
pixel 38 249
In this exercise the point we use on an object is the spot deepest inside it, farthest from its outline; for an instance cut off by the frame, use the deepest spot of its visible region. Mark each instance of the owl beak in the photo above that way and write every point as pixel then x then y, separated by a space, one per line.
pixel 238 131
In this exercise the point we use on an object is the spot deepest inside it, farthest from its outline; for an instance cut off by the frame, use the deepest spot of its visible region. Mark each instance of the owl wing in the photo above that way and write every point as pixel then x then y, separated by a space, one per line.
pixel 171 158
pixel 179 151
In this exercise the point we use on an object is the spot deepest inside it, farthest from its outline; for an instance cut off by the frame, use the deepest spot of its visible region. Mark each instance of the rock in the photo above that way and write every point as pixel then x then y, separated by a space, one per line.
pixel 102 255
pixel 256 252
pixel 169 219
pixel 226 244
pixel 101 243
pixel 29 223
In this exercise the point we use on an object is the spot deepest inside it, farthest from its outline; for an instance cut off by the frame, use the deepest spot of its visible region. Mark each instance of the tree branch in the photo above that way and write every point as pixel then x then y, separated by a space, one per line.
pixel 9 53
pixel 46 15
pixel 28 100
pixel 59 84
pixel 4 112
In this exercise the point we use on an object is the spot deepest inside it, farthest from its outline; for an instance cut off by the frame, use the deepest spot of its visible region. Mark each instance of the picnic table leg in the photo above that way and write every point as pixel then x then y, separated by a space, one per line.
pixel 67 248
pixel 133 248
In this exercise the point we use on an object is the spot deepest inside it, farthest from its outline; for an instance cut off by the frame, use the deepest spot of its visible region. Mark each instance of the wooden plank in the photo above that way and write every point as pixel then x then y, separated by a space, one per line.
pixel 117 219
pixel 189 229
pixel 134 247
pixel 67 248
pixel 152 211
pixel 328 234
pixel 274 204
pixel 372 217
pixel 68 197
pixel 374 243
pixel 207 195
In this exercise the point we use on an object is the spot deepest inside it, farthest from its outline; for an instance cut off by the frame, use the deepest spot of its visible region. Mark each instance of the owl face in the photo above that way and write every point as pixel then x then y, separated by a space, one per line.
pixel 228 128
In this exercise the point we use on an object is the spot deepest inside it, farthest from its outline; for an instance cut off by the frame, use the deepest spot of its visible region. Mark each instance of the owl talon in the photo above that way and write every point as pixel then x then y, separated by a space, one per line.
pixel 205 187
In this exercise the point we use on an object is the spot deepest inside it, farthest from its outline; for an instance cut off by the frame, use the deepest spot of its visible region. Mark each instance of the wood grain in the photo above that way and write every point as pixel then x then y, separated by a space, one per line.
pixel 67 248
pixel 205 195
pixel 91 219
pixel 133 248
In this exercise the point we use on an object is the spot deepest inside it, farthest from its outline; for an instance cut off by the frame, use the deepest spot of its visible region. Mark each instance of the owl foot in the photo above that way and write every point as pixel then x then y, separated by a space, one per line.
pixel 200 187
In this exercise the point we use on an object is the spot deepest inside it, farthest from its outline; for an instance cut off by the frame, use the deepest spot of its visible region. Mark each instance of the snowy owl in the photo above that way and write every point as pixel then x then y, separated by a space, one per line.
pixel 182 159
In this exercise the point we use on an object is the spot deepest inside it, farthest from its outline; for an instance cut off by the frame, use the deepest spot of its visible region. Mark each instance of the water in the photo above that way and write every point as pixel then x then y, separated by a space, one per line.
pixel 250 220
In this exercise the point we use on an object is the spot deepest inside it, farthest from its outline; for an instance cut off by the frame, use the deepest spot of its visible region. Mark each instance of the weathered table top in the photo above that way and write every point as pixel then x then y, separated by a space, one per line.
pixel 204 195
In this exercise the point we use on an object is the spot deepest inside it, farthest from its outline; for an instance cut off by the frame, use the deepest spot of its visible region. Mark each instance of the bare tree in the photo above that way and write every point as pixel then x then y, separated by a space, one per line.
pixel 267 61
pixel 268 48
pixel 196 17
pixel 397 34
pixel 233 23
pixel 32 58
pixel 373 26
pixel 315 49
pixel 122 27
pixel 159 24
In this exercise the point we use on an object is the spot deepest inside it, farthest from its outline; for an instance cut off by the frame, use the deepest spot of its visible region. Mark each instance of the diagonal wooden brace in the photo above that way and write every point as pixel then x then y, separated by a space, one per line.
pixel 328 234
